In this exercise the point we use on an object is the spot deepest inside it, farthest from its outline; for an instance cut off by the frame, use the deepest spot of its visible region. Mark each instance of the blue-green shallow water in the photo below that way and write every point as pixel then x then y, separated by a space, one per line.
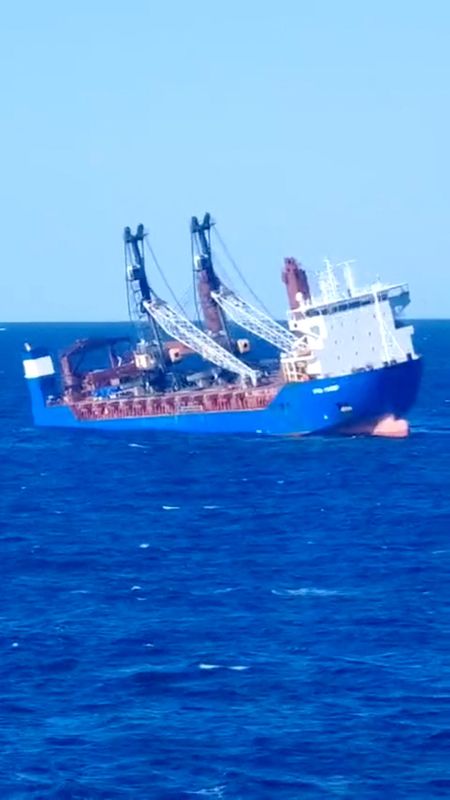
pixel 227 618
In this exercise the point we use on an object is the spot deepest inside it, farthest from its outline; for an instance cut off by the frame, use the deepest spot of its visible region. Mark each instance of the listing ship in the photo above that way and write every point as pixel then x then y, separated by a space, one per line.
pixel 345 363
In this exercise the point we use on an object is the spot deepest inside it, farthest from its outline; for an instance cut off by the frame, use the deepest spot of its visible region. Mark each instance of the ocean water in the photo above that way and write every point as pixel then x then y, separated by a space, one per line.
pixel 187 617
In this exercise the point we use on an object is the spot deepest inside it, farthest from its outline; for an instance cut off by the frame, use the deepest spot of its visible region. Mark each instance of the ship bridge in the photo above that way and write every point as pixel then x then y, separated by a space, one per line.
pixel 397 295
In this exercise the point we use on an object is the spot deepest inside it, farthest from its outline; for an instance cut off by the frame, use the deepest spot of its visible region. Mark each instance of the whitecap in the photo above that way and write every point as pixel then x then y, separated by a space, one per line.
pixel 144 545
pixel 15 644
pixel 215 791
pixel 305 592
pixel 170 508
pixel 209 666
pixel 210 508
pixel 238 668
pixel 135 444
pixel 226 590
pixel 136 588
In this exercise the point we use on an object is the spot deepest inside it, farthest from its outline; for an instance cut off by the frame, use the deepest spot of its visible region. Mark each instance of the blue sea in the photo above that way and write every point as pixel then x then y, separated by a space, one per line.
pixel 187 617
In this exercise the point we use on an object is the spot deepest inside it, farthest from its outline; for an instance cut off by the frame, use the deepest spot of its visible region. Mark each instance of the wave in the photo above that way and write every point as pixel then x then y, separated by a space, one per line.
pixel 305 592
pixel 430 429
pixel 232 667
pixel 215 791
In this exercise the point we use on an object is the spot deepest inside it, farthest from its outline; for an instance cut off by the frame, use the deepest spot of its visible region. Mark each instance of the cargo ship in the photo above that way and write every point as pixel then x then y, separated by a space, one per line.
pixel 345 362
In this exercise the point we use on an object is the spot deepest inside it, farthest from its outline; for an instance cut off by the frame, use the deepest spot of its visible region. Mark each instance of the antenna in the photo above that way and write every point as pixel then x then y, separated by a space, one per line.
pixel 348 276
pixel 328 283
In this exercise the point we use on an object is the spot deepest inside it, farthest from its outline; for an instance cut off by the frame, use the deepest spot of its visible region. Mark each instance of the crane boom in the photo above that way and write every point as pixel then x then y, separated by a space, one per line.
pixel 219 302
pixel 256 322
pixel 188 334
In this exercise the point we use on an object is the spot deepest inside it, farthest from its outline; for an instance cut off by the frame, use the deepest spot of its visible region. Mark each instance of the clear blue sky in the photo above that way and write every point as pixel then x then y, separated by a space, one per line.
pixel 307 129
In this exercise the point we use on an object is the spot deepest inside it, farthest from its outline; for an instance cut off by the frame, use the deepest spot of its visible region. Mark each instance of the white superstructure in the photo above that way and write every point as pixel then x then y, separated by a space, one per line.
pixel 353 329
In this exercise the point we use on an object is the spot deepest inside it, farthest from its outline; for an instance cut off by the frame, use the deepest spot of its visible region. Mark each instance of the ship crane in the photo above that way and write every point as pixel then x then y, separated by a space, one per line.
pixel 225 301
pixel 146 305
pixel 184 331
pixel 207 282
pixel 256 322
pixel 139 290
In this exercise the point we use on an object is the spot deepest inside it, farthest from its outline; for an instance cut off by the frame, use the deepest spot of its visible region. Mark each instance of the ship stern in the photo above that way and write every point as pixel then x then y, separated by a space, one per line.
pixel 40 376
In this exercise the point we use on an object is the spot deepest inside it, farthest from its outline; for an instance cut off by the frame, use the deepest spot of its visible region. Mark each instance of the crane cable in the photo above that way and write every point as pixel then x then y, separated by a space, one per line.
pixel 236 268
pixel 162 276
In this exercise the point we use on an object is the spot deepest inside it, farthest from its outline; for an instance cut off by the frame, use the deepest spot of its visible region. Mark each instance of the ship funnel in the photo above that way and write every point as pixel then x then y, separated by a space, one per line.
pixel 296 281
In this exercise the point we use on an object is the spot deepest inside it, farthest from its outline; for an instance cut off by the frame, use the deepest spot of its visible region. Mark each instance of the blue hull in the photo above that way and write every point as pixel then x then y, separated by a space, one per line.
pixel 316 406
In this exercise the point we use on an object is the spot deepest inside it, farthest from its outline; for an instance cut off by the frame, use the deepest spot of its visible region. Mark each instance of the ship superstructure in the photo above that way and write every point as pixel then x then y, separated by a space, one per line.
pixel 345 363
pixel 355 328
